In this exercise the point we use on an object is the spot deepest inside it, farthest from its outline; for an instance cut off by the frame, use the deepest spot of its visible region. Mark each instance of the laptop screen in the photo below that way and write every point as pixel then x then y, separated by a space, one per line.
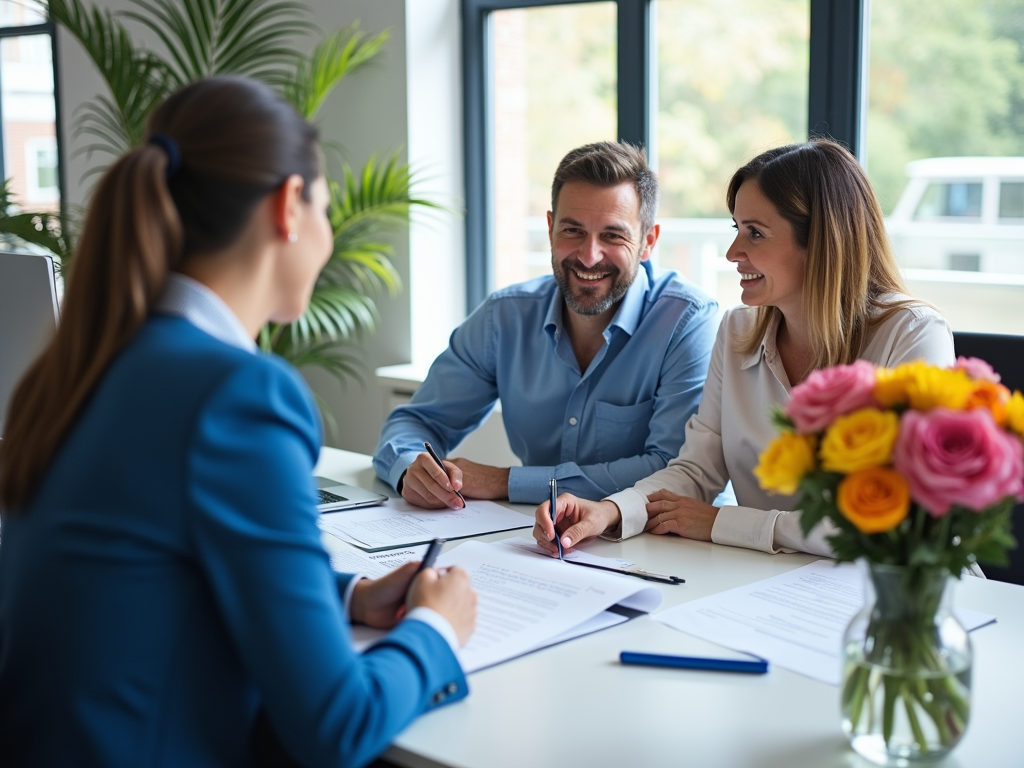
pixel 28 317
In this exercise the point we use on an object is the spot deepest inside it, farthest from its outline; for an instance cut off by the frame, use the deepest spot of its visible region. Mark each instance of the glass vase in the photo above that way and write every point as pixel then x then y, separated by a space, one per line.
pixel 906 692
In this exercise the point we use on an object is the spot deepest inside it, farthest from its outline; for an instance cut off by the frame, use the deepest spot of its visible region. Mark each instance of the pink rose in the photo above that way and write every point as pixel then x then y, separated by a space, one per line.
pixel 977 369
pixel 830 393
pixel 958 457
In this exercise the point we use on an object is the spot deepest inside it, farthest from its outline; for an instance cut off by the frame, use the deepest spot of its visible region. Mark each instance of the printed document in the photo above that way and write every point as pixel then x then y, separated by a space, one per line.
pixel 400 524
pixel 795 620
pixel 526 602
pixel 347 559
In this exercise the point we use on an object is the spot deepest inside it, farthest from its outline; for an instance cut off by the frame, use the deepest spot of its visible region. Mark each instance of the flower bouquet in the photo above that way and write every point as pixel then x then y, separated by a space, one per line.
pixel 917 469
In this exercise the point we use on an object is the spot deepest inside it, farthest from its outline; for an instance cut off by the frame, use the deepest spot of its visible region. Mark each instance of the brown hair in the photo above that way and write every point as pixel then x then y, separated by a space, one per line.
pixel 217 147
pixel 820 188
pixel 608 164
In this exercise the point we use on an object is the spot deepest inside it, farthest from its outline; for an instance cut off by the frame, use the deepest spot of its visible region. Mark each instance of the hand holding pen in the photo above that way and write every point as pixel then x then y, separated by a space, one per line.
pixel 431 483
pixel 433 550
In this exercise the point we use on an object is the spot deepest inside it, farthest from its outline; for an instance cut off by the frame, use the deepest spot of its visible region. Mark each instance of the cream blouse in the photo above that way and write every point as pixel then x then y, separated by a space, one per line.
pixel 733 426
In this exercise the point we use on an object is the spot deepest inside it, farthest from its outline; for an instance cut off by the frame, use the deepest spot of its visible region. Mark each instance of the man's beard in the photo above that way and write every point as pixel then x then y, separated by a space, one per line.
pixel 587 301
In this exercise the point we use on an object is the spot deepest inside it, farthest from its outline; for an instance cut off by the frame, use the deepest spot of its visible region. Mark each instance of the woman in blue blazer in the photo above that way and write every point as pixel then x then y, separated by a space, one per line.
pixel 162 580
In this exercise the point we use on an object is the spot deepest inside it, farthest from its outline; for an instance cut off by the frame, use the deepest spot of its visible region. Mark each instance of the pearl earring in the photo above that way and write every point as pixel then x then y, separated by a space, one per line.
pixel 293 237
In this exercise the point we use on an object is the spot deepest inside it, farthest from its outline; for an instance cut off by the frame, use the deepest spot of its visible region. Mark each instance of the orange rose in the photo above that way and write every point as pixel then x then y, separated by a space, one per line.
pixel 994 397
pixel 874 500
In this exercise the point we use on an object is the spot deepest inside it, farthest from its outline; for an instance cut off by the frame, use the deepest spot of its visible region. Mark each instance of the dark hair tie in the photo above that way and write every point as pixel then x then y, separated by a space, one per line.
pixel 168 145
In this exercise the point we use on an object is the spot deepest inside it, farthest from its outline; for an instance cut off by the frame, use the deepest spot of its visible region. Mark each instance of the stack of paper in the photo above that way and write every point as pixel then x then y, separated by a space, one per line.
pixel 528 601
pixel 401 524
pixel 795 620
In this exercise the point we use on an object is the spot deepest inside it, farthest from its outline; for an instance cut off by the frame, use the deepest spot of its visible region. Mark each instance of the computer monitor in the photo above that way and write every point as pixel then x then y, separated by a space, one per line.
pixel 28 317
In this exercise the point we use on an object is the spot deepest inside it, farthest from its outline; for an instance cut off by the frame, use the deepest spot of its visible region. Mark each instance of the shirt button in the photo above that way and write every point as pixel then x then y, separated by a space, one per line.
pixel 572 420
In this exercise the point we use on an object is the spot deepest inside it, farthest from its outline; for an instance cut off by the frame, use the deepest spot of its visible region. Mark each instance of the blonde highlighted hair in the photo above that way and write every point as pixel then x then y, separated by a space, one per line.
pixel 820 188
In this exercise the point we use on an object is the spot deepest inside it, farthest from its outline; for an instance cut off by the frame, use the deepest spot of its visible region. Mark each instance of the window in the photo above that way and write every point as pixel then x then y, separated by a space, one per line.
pixel 945 152
pixel 1011 202
pixel 702 84
pixel 954 199
pixel 30 159
pixel 537 118
pixel 732 82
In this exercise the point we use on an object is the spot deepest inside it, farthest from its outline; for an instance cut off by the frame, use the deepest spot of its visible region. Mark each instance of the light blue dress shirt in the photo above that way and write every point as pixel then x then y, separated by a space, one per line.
pixel 597 432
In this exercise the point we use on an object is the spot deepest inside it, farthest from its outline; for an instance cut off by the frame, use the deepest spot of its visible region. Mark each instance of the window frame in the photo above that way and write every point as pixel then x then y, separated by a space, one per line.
pixel 27 30
pixel 836 96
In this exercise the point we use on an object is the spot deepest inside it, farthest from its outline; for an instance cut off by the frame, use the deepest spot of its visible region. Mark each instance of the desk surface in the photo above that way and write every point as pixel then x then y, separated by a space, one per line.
pixel 575 705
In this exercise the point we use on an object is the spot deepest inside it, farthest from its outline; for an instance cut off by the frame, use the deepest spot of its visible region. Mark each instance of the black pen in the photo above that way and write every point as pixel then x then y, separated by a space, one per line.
pixel 437 459
pixel 433 550
pixel 640 574
pixel 553 485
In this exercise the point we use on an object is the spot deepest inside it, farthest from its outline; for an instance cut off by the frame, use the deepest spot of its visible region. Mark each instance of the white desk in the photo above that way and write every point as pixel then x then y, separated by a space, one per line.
pixel 575 705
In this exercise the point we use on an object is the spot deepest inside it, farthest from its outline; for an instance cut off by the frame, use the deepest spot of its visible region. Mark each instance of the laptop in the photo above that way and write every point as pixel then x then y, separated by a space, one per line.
pixel 335 496
pixel 28 317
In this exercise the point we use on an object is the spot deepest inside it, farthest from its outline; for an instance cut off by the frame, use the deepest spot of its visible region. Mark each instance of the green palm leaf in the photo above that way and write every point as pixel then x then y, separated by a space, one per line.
pixel 208 37
pixel 137 80
pixel 333 58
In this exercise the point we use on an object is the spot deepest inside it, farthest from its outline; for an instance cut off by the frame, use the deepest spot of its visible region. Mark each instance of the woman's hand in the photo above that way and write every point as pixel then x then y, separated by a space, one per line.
pixel 578 520
pixel 450 593
pixel 375 602
pixel 681 515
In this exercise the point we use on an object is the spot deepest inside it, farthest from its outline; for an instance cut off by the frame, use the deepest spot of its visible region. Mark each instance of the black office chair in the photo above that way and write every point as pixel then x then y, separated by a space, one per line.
pixel 1005 354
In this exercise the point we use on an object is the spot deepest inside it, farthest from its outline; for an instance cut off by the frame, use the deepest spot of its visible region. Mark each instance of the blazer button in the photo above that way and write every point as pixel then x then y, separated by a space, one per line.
pixel 452 689
pixel 438 698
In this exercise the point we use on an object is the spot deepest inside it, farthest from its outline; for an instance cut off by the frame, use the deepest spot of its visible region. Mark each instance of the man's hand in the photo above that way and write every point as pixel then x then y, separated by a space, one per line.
pixel 578 519
pixel 426 485
pixel 482 481
pixel 681 515
pixel 375 602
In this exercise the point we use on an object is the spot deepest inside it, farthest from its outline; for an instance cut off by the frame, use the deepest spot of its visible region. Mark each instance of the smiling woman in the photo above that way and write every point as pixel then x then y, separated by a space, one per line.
pixel 820 287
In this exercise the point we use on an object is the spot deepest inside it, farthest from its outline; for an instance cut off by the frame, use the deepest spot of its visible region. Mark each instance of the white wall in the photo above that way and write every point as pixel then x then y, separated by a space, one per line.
pixel 409 98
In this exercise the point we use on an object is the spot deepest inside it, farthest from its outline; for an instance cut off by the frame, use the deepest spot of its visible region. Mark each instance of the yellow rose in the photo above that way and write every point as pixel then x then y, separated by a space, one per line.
pixel 784 462
pixel 859 440
pixel 923 387
pixel 1015 413
pixel 874 500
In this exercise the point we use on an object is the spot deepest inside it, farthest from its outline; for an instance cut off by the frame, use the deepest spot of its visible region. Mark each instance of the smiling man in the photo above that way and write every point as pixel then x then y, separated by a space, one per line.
pixel 598 367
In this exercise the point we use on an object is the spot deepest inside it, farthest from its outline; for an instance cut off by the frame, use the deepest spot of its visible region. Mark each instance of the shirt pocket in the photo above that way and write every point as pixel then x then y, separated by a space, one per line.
pixel 622 430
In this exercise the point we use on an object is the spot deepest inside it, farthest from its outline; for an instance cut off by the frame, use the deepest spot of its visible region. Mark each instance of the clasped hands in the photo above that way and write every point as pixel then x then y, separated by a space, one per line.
pixel 425 484
pixel 579 519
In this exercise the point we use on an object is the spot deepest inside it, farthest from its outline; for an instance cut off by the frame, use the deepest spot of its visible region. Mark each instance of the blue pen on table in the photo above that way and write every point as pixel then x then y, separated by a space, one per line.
pixel 553 485
pixel 758 667
pixel 437 460
pixel 433 550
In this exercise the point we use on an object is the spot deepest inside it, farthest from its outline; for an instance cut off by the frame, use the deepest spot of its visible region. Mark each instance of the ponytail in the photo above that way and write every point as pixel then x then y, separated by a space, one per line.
pixel 131 239
pixel 216 149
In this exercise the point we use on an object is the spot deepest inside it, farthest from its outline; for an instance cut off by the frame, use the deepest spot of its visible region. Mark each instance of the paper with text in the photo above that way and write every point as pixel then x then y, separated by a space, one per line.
pixel 527 602
pixel 795 619
pixel 400 524
pixel 373 565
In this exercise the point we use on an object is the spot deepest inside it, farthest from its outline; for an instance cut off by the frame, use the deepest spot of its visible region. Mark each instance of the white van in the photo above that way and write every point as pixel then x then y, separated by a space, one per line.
pixel 961 213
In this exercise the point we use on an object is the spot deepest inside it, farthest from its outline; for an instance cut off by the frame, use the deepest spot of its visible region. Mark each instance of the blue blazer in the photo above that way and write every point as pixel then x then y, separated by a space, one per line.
pixel 168 580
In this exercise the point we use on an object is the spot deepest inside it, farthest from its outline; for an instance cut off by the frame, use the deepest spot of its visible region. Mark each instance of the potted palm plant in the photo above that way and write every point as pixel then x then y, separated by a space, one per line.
pixel 254 38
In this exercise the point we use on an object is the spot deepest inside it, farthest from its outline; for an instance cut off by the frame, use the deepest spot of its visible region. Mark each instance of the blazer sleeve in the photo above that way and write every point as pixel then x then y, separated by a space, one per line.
pixel 253 526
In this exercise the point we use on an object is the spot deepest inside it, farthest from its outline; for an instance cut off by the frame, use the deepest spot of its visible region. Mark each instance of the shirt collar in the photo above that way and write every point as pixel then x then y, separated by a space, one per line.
pixel 192 301
pixel 767 346
pixel 628 315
